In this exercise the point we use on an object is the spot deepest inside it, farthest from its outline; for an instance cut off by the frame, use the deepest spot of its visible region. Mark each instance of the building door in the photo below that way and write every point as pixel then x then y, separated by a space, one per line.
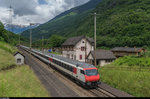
pixel 19 61
pixel 80 57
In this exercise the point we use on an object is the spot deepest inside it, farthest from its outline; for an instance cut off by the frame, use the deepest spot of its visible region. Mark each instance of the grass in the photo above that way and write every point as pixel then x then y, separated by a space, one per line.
pixel 6 59
pixel 7 47
pixel 20 82
pixel 56 53
pixel 136 83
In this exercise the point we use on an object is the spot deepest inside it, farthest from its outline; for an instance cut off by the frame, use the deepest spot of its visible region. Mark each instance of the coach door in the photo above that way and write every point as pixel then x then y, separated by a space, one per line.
pixel 75 70
pixel 80 74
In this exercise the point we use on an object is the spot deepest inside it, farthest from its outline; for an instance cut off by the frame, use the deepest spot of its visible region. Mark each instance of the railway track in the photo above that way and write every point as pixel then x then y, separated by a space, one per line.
pixel 102 91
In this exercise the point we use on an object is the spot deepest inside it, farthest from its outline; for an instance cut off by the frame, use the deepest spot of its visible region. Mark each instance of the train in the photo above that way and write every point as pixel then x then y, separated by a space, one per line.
pixel 85 74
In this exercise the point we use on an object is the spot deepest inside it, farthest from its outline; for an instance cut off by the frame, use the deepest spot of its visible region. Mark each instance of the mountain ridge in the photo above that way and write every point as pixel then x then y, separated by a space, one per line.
pixel 17 29
pixel 51 27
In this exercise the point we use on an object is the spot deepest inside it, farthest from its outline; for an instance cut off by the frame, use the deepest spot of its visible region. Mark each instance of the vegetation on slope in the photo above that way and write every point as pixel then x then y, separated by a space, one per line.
pixel 120 23
pixel 20 82
pixel 17 81
pixel 7 60
pixel 123 23
pixel 9 37
pixel 7 47
pixel 6 57
pixel 133 61
pixel 132 80
pixel 54 41
pixel 64 24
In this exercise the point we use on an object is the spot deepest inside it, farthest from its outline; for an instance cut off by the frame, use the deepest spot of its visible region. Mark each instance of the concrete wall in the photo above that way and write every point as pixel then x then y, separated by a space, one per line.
pixel 19 56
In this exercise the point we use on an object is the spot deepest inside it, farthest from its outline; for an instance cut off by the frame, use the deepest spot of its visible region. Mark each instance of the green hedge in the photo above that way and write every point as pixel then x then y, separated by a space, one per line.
pixel 133 61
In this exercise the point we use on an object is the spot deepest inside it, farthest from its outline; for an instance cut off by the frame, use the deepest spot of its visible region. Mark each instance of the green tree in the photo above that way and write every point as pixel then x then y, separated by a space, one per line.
pixel 56 41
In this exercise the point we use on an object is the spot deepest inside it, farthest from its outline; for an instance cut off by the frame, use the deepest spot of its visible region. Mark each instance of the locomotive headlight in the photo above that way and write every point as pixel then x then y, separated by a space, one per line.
pixel 88 83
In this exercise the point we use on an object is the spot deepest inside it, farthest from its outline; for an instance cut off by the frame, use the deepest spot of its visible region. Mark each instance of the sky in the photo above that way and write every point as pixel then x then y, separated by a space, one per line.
pixel 25 12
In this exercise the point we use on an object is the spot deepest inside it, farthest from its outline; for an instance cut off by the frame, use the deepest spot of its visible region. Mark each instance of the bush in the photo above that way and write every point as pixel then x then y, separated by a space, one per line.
pixel 7 47
pixel 133 61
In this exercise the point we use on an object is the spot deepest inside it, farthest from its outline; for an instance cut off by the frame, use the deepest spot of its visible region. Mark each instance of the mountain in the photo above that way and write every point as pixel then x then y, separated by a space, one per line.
pixel 9 37
pixel 64 23
pixel 19 28
pixel 120 23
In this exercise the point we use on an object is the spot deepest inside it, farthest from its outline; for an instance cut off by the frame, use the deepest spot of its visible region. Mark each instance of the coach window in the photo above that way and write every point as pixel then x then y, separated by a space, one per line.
pixel 70 68
pixel 67 67
pixel 62 64
pixel 59 63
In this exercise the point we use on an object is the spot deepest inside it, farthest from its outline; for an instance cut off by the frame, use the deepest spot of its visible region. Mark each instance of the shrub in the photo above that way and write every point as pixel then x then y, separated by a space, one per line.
pixel 133 61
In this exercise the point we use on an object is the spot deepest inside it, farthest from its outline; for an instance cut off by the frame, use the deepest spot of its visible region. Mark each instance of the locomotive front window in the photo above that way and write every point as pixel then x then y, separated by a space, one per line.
pixel 91 72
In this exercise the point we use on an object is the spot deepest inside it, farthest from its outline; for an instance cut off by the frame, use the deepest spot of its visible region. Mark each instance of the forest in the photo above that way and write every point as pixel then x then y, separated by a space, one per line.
pixel 119 23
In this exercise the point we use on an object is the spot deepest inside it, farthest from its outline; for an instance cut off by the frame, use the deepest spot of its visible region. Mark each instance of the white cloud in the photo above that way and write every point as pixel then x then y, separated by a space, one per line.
pixel 27 11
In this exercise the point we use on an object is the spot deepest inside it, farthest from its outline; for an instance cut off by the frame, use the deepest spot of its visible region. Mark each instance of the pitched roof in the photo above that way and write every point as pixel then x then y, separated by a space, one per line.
pixel 125 49
pixel 103 54
pixel 19 53
pixel 74 40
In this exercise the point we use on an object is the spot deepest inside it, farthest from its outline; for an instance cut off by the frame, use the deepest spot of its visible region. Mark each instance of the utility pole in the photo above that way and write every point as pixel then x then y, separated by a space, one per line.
pixel 95 37
pixel 31 35
pixel 10 18
pixel 42 43
pixel 85 49
pixel 19 40
pixel 30 38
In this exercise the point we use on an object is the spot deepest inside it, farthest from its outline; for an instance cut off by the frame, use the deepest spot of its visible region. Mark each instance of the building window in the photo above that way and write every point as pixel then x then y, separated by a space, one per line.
pixel 108 61
pixel 85 56
pixel 19 60
pixel 68 56
pixel 74 57
pixel 80 57
pixel 82 48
